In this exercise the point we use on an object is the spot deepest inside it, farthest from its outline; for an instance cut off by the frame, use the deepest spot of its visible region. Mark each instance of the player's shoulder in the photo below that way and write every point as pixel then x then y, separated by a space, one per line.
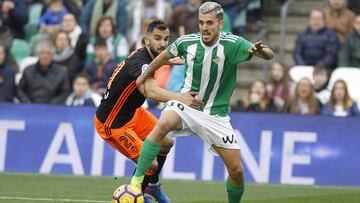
pixel 229 37
pixel 188 38
pixel 138 56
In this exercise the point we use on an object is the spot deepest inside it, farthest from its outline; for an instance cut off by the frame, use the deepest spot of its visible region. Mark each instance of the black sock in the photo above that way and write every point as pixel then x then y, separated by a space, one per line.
pixel 145 183
pixel 161 160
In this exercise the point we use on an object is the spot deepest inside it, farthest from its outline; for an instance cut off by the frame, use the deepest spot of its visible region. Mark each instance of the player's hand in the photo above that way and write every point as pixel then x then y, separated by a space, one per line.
pixel 140 85
pixel 176 61
pixel 258 46
pixel 190 100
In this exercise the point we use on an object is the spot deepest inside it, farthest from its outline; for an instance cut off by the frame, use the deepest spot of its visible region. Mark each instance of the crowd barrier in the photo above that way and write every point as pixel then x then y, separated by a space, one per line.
pixel 286 149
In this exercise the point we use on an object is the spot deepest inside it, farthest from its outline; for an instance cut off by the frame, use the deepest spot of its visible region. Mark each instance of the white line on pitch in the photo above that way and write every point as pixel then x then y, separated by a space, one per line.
pixel 49 200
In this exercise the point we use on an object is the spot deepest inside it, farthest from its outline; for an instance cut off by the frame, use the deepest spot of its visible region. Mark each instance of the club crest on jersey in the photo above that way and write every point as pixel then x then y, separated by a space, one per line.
pixel 174 50
pixel 144 67
pixel 217 60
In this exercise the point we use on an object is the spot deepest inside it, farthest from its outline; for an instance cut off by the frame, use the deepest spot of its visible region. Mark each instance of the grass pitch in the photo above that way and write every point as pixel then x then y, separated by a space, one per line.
pixel 58 188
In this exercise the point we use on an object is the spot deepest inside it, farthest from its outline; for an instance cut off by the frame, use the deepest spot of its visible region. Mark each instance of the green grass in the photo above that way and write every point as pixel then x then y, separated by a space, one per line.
pixel 59 188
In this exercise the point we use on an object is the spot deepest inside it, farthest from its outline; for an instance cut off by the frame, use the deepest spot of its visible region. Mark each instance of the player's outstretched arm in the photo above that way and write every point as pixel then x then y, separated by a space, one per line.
pixel 159 61
pixel 261 50
pixel 157 93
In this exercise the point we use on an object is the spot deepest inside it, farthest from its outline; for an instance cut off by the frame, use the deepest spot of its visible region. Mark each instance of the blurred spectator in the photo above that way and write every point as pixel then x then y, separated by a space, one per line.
pixel 100 68
pixel 95 9
pixel 279 87
pixel 64 55
pixel 45 81
pixel 340 102
pixel 349 55
pixel 50 21
pixel 7 78
pixel 143 12
pixel 6 36
pixel 321 81
pixel 82 94
pixel 258 100
pixel 317 45
pixel 304 101
pixel 116 43
pixel 15 14
pixel 78 39
pixel 184 19
pixel 339 18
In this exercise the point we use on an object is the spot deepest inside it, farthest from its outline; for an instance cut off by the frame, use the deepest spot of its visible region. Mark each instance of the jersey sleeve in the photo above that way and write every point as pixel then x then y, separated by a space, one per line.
pixel 138 67
pixel 175 49
pixel 241 52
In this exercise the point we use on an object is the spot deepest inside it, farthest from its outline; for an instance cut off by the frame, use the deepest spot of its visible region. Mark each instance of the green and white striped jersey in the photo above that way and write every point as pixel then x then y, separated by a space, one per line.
pixel 211 71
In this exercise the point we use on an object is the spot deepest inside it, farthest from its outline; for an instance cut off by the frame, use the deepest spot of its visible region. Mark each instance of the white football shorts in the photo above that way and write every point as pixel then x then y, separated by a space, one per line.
pixel 213 130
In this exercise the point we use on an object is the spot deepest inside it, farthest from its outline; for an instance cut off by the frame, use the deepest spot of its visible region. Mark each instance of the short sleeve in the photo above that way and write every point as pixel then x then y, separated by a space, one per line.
pixel 173 49
pixel 241 52
pixel 176 49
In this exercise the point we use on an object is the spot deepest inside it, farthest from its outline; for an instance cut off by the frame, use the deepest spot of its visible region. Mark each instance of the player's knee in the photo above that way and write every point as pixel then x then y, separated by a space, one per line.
pixel 236 171
pixel 164 126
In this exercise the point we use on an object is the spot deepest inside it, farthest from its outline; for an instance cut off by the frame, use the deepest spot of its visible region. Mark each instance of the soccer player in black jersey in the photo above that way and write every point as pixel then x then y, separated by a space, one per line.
pixel 122 122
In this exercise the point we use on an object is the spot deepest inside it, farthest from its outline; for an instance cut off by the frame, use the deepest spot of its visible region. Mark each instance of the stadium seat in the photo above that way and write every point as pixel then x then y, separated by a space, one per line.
pixel 32 27
pixel 19 50
pixel 22 65
pixel 298 72
pixel 351 76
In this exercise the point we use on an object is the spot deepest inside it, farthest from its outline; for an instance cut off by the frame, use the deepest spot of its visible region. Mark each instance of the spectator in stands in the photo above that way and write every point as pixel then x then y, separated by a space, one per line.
pixel 78 39
pixel 184 19
pixel 339 18
pixel 317 45
pixel 7 77
pixel 258 100
pixel 15 14
pixel 82 94
pixel 304 101
pixel 340 102
pixel 50 21
pixel 142 12
pixel 95 9
pixel 349 55
pixel 116 43
pixel 45 81
pixel 100 68
pixel 279 86
pixel 64 55
pixel 321 81
pixel 6 36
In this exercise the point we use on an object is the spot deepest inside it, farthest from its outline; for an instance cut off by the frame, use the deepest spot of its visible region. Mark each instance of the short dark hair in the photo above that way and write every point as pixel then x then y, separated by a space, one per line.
pixel 156 24
pixel 320 69
pixel 100 43
pixel 83 75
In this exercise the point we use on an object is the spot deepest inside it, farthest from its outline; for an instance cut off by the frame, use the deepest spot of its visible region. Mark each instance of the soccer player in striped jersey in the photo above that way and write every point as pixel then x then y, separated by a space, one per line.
pixel 122 122
pixel 211 59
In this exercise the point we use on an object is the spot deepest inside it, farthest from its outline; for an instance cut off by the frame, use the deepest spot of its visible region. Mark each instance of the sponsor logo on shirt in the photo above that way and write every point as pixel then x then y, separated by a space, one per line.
pixel 217 60
pixel 144 67
pixel 174 50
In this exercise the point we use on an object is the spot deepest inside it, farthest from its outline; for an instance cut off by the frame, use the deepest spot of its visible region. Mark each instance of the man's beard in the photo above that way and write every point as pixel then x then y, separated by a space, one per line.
pixel 155 53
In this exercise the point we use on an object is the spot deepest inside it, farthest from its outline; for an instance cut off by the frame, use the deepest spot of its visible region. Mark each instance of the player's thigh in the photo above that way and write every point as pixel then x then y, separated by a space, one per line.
pixel 231 158
pixel 143 122
pixel 126 141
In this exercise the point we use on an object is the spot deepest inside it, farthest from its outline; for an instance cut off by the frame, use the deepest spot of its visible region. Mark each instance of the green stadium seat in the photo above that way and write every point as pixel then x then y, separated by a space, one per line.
pixel 32 27
pixel 19 50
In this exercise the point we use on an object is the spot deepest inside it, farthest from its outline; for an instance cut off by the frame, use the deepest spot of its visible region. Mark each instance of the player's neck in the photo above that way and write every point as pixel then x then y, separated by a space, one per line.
pixel 150 52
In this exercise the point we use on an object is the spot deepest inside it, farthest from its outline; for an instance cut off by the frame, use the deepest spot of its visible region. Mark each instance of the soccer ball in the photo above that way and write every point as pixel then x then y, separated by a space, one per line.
pixel 127 194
